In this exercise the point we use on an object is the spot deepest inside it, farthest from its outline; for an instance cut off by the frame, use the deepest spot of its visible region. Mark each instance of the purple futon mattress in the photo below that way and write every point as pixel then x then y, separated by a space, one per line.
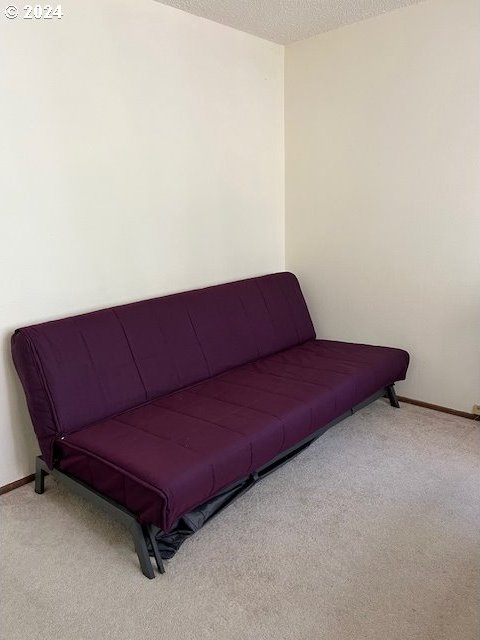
pixel 163 403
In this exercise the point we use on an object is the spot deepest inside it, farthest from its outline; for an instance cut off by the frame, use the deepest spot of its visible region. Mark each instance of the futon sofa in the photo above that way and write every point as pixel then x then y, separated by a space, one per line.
pixel 165 410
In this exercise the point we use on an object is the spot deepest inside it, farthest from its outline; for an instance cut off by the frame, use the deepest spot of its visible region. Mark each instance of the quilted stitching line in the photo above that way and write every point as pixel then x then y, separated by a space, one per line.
pixel 198 341
pixel 153 311
pixel 313 384
pixel 305 347
pixel 266 305
pixel 157 435
pixel 131 352
pixel 249 324
pixel 190 415
pixel 178 444
pixel 275 393
pixel 94 368
pixel 367 364
pixel 317 385
pixel 289 309
pixel 184 413
pixel 325 369
pixel 236 404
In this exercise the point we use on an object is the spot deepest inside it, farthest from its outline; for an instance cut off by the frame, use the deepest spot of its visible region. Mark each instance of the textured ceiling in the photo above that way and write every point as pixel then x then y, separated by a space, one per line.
pixel 286 21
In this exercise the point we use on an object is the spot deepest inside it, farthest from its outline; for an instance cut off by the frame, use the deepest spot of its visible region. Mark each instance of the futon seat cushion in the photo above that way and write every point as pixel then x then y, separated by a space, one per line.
pixel 173 453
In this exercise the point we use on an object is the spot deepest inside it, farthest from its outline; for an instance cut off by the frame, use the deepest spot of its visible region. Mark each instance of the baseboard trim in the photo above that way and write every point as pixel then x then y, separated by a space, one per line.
pixel 18 483
pixel 437 407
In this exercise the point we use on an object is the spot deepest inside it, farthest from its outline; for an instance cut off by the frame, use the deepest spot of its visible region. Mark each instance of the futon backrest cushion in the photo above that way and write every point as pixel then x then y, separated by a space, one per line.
pixel 81 369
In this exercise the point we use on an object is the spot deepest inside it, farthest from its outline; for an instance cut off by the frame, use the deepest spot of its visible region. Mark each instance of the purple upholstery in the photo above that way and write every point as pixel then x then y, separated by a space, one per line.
pixel 79 370
pixel 163 403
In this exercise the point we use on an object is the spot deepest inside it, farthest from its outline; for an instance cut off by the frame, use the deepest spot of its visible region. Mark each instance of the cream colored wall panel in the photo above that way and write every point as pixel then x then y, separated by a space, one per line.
pixel 141 153
pixel 383 189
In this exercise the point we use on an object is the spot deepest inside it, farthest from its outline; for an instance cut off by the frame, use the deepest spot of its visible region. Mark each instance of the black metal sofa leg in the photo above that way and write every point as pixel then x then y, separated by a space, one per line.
pixel 140 533
pixel 150 532
pixel 40 474
pixel 392 396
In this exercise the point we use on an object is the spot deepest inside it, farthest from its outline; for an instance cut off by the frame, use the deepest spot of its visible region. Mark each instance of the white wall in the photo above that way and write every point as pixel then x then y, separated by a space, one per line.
pixel 383 189
pixel 141 152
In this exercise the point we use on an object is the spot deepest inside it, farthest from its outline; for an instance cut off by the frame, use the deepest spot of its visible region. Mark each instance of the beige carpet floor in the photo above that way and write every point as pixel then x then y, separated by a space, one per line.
pixel 371 533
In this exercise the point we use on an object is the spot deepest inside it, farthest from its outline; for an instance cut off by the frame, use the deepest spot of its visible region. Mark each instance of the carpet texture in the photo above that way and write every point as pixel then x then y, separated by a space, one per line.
pixel 371 533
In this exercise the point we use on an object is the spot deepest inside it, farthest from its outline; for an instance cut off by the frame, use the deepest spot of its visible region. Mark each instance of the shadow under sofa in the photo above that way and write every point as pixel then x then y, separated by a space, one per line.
pixel 163 411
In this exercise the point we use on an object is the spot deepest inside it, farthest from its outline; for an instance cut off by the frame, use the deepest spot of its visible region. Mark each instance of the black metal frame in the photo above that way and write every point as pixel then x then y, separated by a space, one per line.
pixel 392 396
pixel 140 532
pixel 144 534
